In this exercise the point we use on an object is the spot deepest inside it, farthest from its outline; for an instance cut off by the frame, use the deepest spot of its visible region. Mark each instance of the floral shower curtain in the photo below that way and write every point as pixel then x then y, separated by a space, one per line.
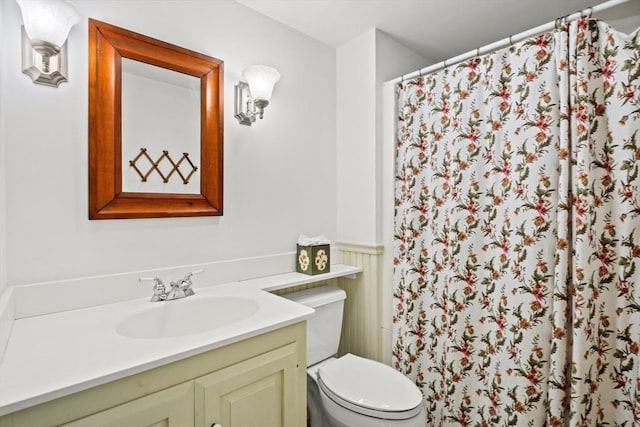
pixel 517 233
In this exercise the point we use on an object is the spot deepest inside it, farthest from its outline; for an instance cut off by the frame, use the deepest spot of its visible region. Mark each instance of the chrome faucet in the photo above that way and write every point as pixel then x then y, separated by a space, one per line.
pixel 179 289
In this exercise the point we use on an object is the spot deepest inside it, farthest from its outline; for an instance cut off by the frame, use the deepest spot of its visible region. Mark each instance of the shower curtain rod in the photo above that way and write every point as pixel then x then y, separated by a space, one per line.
pixel 506 41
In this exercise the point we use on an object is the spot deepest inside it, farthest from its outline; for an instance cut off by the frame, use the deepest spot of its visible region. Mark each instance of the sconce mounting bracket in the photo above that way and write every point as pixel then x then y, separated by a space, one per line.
pixel 244 106
pixel 51 71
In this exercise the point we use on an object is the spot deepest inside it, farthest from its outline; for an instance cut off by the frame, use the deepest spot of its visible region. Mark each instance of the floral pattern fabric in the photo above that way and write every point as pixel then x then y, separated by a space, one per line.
pixel 517 234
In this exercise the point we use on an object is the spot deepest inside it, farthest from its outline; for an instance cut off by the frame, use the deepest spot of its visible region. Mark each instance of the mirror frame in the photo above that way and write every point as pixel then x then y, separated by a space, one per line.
pixel 108 44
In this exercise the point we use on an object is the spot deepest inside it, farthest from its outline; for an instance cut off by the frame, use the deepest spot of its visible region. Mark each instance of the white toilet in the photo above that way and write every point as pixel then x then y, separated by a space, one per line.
pixel 351 391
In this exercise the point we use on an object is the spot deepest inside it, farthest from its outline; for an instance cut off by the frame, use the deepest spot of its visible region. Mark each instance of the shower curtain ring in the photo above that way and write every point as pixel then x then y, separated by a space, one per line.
pixel 590 9
pixel 511 40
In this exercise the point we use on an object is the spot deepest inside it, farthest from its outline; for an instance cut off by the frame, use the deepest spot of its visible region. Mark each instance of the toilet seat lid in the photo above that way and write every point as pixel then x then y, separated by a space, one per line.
pixel 369 384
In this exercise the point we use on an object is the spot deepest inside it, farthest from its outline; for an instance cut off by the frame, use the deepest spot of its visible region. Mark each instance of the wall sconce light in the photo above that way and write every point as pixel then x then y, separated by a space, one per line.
pixel 46 26
pixel 253 96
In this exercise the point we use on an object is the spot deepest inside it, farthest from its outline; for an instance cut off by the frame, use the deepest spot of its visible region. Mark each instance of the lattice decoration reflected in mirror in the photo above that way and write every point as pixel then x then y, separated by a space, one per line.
pixel 155 166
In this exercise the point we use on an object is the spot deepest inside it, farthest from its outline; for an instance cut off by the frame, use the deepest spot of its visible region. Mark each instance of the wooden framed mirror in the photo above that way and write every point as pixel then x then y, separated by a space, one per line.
pixel 147 168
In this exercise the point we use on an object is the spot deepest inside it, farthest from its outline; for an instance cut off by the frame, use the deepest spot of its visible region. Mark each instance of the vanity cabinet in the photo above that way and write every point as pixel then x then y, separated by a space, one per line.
pixel 260 381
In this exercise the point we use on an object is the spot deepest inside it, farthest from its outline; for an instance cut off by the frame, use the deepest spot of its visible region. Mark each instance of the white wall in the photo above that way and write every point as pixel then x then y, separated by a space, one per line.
pixel 3 229
pixel 280 174
pixel 363 65
pixel 356 109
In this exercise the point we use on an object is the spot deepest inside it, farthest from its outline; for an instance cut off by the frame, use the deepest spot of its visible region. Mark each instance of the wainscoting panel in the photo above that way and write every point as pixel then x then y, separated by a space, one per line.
pixel 362 323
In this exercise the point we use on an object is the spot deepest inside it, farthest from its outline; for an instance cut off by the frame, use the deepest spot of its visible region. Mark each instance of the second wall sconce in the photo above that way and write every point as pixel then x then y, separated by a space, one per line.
pixel 44 51
pixel 253 96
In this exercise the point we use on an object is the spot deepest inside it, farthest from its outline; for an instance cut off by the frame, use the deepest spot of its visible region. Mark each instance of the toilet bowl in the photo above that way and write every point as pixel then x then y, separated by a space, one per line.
pixel 351 391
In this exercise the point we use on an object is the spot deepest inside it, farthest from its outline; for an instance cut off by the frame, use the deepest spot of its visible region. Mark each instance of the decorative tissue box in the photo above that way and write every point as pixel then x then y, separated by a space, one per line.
pixel 313 259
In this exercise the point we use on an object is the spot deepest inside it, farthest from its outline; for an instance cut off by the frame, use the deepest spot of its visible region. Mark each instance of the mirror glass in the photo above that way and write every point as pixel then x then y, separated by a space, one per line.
pixel 160 125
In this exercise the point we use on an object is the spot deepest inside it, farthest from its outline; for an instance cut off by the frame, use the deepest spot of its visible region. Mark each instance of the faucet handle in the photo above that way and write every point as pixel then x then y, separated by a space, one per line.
pixel 187 277
pixel 188 291
pixel 159 291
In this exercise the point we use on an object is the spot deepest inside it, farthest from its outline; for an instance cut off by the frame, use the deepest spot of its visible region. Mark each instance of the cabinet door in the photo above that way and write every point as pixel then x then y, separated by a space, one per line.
pixel 258 392
pixel 172 407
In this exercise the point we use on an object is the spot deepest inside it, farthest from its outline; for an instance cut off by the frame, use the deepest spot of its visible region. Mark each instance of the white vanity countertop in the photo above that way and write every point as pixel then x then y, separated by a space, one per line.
pixel 57 354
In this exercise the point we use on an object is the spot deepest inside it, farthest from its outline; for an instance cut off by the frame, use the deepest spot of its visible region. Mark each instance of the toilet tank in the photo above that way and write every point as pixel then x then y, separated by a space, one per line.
pixel 324 327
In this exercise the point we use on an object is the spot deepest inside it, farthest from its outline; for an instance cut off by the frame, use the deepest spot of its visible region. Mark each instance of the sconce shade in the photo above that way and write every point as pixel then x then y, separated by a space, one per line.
pixel 47 23
pixel 261 80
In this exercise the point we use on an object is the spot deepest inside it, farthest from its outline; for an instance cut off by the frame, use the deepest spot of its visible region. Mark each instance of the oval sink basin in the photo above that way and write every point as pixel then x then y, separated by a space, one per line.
pixel 186 316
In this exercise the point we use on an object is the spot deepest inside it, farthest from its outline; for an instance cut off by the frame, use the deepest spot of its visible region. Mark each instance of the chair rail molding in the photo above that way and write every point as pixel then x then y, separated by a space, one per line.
pixel 377 249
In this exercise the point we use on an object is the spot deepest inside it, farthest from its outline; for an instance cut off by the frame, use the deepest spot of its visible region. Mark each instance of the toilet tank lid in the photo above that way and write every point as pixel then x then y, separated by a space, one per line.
pixel 317 297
